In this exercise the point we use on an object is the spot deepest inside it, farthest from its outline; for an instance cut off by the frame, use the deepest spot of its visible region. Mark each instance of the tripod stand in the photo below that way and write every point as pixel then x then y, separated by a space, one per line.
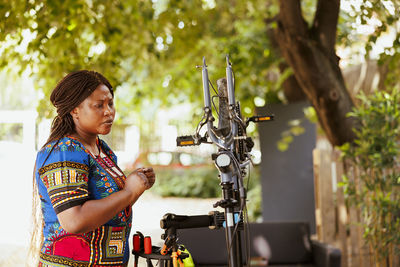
pixel 232 157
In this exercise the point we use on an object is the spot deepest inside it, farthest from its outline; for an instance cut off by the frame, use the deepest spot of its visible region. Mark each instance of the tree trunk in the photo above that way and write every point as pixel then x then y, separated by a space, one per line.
pixel 291 88
pixel 311 54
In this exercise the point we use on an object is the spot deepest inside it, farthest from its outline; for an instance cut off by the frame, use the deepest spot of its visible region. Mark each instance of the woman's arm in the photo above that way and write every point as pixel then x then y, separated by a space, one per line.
pixel 94 213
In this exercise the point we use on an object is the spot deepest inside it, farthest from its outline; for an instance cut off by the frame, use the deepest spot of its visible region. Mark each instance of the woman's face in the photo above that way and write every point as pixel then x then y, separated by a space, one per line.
pixel 96 113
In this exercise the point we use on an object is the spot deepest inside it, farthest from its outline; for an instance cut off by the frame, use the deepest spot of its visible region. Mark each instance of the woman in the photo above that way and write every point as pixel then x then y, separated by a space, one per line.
pixel 85 197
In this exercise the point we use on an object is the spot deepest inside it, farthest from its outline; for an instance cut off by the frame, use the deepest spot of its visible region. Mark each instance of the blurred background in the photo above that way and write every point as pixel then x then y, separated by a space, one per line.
pixel 282 52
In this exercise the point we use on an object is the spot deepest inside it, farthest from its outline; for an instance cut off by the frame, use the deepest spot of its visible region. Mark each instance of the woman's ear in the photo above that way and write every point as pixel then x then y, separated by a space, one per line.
pixel 75 113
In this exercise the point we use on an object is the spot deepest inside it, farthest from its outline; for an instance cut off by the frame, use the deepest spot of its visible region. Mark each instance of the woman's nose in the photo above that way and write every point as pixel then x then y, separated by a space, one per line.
pixel 108 110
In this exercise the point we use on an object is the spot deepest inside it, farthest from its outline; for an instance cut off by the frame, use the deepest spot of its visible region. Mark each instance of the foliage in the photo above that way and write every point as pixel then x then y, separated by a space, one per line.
pixel 254 194
pixel 149 49
pixel 373 184
pixel 371 29
pixel 254 203
pixel 203 182
pixel 193 182
pixel 11 132
pixel 295 128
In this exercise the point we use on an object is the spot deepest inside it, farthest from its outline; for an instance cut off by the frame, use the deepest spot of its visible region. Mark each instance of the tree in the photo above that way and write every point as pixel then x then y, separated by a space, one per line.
pixel 149 49
pixel 310 51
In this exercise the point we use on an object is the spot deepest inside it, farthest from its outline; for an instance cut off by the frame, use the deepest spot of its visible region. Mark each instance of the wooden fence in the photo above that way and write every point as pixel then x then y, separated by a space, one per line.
pixel 336 223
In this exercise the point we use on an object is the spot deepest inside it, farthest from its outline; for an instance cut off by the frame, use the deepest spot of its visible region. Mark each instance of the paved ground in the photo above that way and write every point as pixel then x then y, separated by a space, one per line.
pixel 146 218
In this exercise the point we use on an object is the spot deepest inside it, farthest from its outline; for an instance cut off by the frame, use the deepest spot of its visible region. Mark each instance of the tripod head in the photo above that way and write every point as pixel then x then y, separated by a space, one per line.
pixel 234 146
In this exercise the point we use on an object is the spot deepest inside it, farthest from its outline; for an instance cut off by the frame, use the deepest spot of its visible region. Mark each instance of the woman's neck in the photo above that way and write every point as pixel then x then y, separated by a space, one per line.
pixel 88 141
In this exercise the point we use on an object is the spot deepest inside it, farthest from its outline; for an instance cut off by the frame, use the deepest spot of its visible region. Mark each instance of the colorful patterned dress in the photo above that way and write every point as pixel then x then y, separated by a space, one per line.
pixel 68 177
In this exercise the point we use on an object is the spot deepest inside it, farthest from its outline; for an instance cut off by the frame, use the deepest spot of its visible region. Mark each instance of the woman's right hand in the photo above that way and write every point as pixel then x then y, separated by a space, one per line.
pixel 138 181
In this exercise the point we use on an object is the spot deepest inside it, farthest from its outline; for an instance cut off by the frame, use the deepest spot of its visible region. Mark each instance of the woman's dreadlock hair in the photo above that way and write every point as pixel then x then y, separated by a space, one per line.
pixel 68 94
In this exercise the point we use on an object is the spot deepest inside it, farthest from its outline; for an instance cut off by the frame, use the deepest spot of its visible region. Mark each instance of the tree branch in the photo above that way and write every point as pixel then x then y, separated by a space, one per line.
pixel 325 23
pixel 291 16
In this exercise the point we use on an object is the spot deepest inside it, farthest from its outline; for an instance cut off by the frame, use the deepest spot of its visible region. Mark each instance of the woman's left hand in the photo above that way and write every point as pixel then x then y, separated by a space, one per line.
pixel 150 175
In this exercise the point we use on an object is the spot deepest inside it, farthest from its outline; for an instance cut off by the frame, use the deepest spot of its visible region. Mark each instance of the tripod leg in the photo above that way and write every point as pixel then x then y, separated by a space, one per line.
pixel 136 260
pixel 149 263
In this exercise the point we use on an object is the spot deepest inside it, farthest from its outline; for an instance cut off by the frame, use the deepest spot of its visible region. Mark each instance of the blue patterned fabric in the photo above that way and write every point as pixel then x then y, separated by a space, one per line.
pixel 67 177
